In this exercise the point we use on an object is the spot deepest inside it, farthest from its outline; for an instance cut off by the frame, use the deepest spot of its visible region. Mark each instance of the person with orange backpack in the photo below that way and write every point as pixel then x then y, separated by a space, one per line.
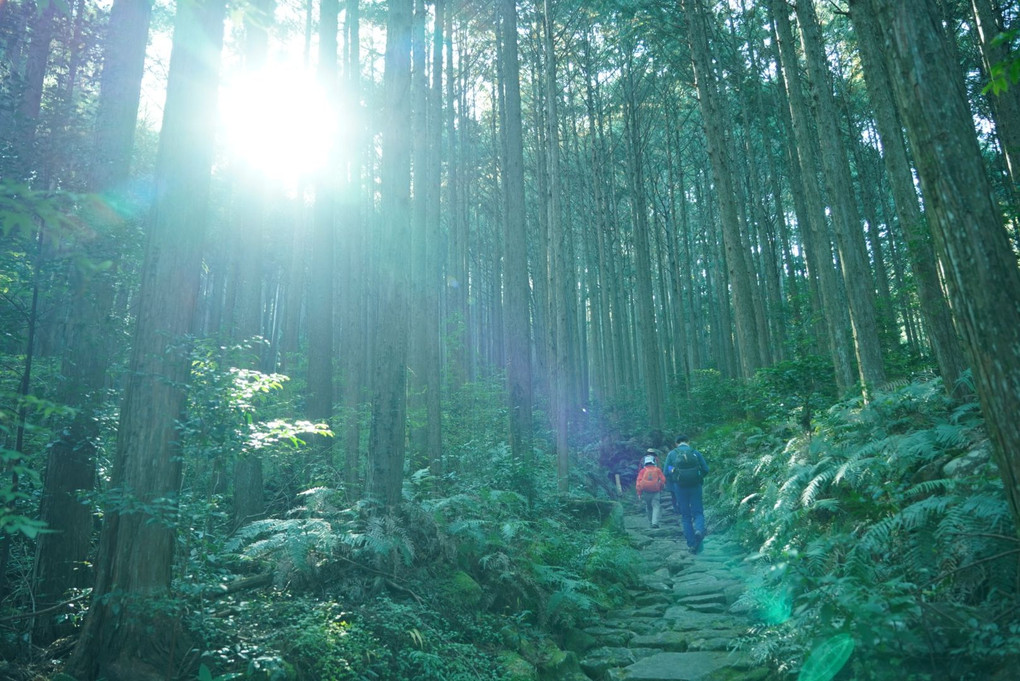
pixel 649 484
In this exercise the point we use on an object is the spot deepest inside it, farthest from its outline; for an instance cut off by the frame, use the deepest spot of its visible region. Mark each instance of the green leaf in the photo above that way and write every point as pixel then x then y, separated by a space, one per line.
pixel 827 659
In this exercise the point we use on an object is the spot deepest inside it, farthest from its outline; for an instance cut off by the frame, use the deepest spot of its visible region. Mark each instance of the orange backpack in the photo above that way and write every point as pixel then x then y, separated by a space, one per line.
pixel 651 479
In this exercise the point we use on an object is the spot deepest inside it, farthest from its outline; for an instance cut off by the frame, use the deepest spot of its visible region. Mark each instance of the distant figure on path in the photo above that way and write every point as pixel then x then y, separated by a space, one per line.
pixel 686 468
pixel 649 483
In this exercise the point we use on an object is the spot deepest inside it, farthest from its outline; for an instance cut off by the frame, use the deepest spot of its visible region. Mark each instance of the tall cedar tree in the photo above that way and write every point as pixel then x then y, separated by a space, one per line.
pixel 137 541
pixel 71 466
pixel 973 248
pixel 389 398
pixel 516 319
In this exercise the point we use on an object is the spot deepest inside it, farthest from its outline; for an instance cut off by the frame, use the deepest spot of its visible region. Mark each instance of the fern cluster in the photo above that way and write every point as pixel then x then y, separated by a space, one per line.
pixel 886 522
pixel 426 588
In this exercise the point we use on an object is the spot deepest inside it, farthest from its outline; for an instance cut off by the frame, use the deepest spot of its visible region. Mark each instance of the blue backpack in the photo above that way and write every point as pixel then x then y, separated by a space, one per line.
pixel 686 469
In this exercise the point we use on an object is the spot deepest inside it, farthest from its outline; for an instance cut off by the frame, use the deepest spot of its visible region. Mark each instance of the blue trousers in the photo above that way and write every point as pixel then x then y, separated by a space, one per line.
pixel 674 495
pixel 692 512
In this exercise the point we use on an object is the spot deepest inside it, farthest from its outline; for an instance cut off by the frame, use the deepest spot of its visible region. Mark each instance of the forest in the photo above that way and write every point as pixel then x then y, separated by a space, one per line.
pixel 333 333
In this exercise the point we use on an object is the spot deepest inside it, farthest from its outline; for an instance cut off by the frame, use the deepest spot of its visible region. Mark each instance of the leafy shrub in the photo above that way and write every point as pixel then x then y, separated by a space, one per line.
pixel 887 522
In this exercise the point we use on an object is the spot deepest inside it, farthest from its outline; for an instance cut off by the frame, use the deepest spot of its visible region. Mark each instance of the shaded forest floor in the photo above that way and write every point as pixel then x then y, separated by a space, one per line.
pixel 688 614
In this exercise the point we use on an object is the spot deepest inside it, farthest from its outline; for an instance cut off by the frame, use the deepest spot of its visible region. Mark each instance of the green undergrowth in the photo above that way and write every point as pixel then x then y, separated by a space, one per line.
pixel 439 588
pixel 884 525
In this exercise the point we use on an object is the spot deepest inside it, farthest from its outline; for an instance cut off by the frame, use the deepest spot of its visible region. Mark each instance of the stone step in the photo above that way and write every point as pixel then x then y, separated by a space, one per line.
pixel 690 666
pixel 674 641
pixel 686 613
pixel 708 598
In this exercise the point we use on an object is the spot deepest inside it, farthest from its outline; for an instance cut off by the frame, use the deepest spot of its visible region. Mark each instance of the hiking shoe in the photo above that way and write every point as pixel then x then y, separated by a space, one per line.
pixel 655 526
pixel 698 538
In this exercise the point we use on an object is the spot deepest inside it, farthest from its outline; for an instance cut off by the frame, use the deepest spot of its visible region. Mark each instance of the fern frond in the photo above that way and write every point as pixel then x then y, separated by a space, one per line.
pixel 495 562
pixel 879 535
pixel 823 474
pixel 929 487
pixel 951 435
pixel 511 529
pixel 965 412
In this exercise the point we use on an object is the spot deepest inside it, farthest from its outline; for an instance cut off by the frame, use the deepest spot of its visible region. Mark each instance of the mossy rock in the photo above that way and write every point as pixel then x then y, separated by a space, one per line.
pixel 462 590
pixel 559 665
pixel 579 641
pixel 515 667
pixel 594 511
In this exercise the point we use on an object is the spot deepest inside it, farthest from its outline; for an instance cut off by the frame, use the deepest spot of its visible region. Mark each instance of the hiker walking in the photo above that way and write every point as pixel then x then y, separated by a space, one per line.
pixel 667 466
pixel 687 469
pixel 649 483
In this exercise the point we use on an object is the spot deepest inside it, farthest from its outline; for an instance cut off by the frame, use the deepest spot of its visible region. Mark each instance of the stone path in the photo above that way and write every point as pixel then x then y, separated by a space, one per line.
pixel 685 617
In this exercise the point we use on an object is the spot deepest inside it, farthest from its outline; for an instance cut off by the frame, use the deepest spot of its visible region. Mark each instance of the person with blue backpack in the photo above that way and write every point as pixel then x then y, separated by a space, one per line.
pixel 685 472
pixel 667 468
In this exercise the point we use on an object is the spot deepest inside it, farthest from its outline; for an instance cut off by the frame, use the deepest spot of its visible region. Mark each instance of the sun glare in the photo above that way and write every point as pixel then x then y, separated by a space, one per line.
pixel 281 122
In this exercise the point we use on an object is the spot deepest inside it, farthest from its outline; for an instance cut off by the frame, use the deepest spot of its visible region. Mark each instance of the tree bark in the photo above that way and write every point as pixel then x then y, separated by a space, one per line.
pixel 935 310
pixel 817 246
pixel 972 245
pixel 647 337
pixel 433 252
pixel 61 556
pixel 321 262
pixel 387 440
pixel 1006 104
pixel 720 152
pixel 249 239
pixel 26 119
pixel 354 241
pixel 137 543
pixel 560 271
pixel 853 255
pixel 516 294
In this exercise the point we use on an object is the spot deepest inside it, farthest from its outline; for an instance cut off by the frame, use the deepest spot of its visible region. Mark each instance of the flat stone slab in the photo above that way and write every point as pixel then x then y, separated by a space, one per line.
pixel 654 598
pixel 720 643
pixel 597 661
pixel 706 583
pixel 701 596
pixel 696 666
pixel 673 641
pixel 682 617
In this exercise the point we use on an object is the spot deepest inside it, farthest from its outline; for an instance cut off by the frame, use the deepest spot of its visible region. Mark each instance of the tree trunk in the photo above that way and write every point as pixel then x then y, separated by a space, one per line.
pixel 249 221
pixel 61 556
pixel 934 308
pixel 387 441
pixel 421 178
pixel 853 254
pixel 560 271
pixel 321 262
pixel 516 325
pixel 355 322
pixel 137 542
pixel 648 341
pixel 26 119
pixel 433 257
pixel 720 152
pixel 971 243
pixel 817 246
pixel 1006 104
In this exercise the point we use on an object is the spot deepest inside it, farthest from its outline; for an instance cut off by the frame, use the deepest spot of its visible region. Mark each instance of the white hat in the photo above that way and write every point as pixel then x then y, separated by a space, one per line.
pixel 649 459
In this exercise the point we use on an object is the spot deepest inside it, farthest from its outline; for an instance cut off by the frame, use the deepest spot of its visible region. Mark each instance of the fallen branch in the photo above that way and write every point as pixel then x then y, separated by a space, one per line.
pixel 44 611
pixel 239 585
